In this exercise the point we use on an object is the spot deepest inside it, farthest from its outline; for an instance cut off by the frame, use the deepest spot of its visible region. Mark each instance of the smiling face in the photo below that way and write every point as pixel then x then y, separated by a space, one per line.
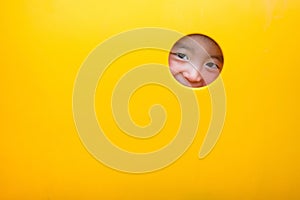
pixel 195 60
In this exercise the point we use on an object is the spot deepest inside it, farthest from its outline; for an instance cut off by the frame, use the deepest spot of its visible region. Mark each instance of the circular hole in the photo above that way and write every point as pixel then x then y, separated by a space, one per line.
pixel 196 60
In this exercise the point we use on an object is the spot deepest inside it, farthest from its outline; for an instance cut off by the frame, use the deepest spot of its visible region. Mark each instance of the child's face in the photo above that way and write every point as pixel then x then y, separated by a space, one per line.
pixel 195 61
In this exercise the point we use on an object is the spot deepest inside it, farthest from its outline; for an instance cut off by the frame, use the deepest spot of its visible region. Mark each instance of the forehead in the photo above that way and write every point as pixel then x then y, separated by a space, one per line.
pixel 199 43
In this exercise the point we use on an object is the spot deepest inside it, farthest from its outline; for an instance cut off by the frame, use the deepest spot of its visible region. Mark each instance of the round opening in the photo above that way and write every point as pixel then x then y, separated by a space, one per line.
pixel 196 60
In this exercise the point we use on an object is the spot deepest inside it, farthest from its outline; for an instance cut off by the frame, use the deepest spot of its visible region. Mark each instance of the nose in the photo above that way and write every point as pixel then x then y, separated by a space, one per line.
pixel 192 74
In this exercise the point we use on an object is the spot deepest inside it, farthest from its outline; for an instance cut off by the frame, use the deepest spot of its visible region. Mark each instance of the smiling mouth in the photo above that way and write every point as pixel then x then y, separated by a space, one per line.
pixel 181 79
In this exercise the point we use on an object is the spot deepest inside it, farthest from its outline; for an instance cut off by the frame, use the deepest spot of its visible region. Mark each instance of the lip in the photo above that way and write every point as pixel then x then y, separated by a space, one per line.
pixel 181 79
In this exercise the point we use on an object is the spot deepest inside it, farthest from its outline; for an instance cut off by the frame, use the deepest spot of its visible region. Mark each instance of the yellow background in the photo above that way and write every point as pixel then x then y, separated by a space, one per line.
pixel 44 43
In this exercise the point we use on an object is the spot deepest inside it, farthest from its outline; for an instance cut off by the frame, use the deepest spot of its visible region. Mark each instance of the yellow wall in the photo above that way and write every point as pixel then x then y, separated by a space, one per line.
pixel 44 43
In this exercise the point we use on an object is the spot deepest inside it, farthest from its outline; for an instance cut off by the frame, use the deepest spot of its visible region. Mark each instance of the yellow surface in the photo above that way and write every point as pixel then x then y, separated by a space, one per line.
pixel 44 43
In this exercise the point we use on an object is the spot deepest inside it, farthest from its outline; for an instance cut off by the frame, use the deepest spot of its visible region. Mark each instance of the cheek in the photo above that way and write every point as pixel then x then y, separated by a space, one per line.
pixel 175 66
pixel 209 77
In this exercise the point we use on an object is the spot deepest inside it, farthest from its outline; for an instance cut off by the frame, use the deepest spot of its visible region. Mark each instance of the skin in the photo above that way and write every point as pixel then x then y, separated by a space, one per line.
pixel 195 60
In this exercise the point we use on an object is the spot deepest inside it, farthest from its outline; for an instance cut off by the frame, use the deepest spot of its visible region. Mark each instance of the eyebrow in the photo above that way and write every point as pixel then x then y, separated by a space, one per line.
pixel 218 57
pixel 183 46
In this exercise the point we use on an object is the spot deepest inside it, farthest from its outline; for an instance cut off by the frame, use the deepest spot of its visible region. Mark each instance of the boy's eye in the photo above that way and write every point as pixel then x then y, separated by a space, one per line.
pixel 212 65
pixel 182 56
